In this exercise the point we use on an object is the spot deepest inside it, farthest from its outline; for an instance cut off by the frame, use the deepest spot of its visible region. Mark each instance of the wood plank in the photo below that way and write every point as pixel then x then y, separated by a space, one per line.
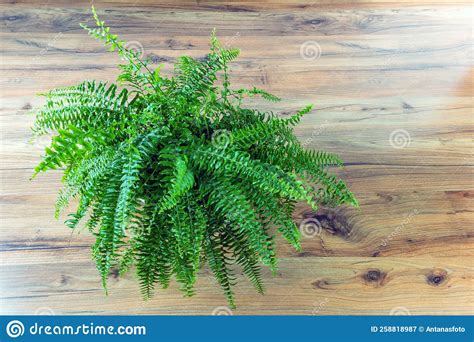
pixel 384 68
pixel 320 286
pixel 359 133
pixel 394 219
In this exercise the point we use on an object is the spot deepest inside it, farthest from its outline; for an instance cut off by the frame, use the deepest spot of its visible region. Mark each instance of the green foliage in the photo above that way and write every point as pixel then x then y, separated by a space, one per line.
pixel 173 172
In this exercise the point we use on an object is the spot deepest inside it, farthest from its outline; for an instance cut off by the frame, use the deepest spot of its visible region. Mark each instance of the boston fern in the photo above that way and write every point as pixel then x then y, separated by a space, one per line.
pixel 171 173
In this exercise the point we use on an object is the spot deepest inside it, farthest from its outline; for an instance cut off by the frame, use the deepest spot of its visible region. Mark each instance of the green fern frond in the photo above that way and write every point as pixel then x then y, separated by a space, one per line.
pixel 172 173
pixel 219 263
pixel 179 177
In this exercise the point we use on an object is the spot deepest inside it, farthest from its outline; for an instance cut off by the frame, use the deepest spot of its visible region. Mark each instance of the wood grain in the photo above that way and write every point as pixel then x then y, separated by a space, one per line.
pixel 384 68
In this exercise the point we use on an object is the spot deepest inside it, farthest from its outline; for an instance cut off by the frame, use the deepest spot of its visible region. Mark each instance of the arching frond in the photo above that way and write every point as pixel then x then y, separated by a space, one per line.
pixel 172 173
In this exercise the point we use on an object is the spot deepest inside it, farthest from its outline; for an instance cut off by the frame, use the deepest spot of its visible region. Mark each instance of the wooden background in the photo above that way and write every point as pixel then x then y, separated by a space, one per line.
pixel 393 93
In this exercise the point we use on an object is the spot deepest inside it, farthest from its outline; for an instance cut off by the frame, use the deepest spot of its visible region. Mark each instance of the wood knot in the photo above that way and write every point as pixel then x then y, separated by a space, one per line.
pixel 334 221
pixel 386 198
pixel 65 280
pixel 155 59
pixel 407 106
pixel 303 254
pixel 322 284
pixel 436 277
pixel 374 277
pixel 316 22
pixel 114 273
pixel 27 106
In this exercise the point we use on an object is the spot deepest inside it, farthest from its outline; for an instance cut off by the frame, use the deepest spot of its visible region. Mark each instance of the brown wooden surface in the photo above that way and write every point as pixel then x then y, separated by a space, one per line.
pixel 383 67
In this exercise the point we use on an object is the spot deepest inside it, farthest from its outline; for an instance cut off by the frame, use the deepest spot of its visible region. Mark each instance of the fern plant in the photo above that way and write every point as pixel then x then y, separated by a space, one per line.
pixel 171 173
